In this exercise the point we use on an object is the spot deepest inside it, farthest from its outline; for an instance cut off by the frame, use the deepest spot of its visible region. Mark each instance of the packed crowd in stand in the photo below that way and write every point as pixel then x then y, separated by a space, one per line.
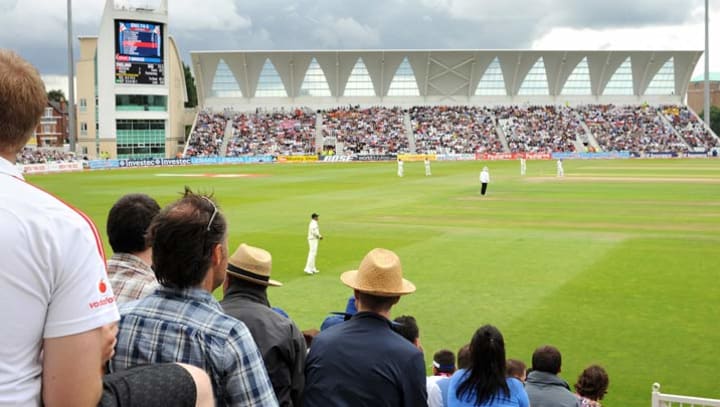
pixel 282 133
pixel 631 128
pixel 207 137
pixel 540 129
pixel 458 130
pixel 374 130
pixel 40 156
pixel 454 130
pixel 690 127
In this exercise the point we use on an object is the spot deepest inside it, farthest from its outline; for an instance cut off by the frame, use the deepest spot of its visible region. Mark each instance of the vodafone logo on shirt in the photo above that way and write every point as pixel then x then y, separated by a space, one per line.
pixel 102 288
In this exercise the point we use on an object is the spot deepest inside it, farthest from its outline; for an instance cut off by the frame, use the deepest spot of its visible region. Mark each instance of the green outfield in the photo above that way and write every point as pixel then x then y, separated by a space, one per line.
pixel 615 264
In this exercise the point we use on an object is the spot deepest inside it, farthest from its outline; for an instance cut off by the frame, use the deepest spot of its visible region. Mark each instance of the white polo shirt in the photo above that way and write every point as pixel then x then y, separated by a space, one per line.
pixel 52 281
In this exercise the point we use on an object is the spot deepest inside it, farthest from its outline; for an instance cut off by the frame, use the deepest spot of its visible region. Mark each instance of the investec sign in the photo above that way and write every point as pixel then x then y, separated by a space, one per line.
pixel 154 162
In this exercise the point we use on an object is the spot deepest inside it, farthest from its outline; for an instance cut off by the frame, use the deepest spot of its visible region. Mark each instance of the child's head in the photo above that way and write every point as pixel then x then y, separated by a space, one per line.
pixel 515 368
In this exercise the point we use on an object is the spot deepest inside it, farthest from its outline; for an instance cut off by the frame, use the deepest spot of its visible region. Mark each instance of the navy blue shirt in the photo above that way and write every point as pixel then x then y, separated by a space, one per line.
pixel 363 362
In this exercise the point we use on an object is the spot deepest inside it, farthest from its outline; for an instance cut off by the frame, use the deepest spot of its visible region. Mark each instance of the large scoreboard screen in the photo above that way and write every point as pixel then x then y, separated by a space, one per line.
pixel 139 53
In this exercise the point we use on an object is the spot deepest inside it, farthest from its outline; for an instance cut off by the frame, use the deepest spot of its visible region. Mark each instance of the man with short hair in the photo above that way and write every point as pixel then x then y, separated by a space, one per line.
pixel 131 276
pixel 407 327
pixel 314 238
pixel 281 343
pixel 53 270
pixel 543 386
pixel 438 384
pixel 362 362
pixel 181 321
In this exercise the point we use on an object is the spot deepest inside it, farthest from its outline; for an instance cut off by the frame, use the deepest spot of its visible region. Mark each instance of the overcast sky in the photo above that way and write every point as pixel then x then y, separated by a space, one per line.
pixel 36 28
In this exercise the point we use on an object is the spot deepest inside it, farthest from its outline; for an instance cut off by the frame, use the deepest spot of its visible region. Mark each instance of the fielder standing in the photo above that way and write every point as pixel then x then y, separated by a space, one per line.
pixel 560 170
pixel 523 166
pixel 401 167
pixel 427 167
pixel 314 238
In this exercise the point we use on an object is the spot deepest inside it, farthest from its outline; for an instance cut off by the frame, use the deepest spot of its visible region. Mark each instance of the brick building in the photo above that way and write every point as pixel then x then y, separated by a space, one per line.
pixel 53 128
pixel 695 93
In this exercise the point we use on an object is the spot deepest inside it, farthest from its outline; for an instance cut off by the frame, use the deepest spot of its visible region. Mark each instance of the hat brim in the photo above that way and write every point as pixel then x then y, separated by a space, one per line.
pixel 270 282
pixel 349 278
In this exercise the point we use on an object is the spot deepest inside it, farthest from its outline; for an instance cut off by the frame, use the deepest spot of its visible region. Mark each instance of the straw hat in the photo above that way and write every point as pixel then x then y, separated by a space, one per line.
pixel 380 273
pixel 252 264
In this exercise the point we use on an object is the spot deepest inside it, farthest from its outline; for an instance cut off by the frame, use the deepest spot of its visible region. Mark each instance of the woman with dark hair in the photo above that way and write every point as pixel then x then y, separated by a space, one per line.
pixel 483 383
pixel 592 385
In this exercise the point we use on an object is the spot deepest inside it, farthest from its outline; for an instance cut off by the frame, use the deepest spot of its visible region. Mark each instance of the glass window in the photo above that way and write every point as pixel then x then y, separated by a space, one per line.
pixel 141 102
pixel 315 83
pixel 140 138
pixel 621 83
pixel 224 83
pixel 492 82
pixel 359 83
pixel 83 104
pixel 663 84
pixel 48 112
pixel 83 128
pixel 404 83
pixel 578 83
pixel 535 82
pixel 270 84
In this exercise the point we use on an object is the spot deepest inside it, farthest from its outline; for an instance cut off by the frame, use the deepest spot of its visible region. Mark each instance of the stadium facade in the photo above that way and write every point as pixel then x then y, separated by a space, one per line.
pixel 131 86
pixel 245 80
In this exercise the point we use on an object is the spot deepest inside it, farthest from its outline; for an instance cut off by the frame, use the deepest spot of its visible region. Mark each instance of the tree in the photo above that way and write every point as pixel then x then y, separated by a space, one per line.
pixel 56 95
pixel 190 86
pixel 714 118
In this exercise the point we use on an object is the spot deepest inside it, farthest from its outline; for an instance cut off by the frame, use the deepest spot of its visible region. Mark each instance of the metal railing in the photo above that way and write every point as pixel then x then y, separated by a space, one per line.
pixel 673 400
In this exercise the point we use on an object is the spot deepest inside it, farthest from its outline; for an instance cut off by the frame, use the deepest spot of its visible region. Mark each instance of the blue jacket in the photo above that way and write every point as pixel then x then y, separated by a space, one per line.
pixel 363 362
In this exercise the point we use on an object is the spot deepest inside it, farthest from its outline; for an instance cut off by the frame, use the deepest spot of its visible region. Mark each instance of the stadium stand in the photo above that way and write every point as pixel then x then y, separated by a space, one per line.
pixel 637 129
pixel 374 130
pixel 39 156
pixel 454 130
pixel 207 137
pixel 283 133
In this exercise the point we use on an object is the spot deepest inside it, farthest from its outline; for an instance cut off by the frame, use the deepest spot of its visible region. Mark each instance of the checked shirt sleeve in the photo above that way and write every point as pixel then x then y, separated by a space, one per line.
pixel 247 383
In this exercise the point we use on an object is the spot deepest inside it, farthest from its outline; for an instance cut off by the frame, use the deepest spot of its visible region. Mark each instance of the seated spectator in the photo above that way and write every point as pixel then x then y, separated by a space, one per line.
pixel 591 386
pixel 280 341
pixel 407 327
pixel 181 321
pixel 362 362
pixel 543 386
pixel 43 155
pixel 540 129
pixel 463 357
pixel 339 317
pixel 517 369
pixel 484 383
pixel 129 269
pixel 454 130
pixel 438 384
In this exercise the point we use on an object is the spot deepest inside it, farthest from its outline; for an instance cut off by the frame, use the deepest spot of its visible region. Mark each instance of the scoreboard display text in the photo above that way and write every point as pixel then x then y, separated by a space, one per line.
pixel 139 53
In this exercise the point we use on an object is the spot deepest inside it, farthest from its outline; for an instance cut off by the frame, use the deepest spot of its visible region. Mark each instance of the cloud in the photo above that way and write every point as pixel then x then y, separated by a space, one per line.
pixel 216 15
pixel 345 32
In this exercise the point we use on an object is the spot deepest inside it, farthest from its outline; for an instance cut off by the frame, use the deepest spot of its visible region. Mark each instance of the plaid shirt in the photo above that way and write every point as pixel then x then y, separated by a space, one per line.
pixel 189 326
pixel 130 277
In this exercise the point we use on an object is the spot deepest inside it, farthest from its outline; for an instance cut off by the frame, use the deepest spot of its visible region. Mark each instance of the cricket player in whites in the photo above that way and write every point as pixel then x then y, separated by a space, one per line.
pixel 523 166
pixel 560 170
pixel 314 238
pixel 401 167
pixel 427 167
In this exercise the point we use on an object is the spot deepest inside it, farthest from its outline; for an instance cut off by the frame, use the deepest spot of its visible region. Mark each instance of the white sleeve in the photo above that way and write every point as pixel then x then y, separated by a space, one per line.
pixel 435 396
pixel 81 296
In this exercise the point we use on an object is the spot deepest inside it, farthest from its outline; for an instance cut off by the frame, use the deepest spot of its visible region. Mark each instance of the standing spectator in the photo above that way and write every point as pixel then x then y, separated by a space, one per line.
pixel 281 343
pixel 131 276
pixel 484 180
pixel 314 238
pixel 427 167
pixel 181 321
pixel 362 362
pixel 53 270
pixel 401 167
pixel 543 386
pixel 484 382
pixel 592 385
pixel 438 384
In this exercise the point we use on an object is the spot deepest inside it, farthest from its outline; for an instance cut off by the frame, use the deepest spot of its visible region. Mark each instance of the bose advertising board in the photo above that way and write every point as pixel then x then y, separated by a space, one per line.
pixel 139 53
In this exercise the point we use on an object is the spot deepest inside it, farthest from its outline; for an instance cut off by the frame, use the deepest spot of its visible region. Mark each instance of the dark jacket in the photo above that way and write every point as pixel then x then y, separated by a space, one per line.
pixel 281 343
pixel 363 362
pixel 548 390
